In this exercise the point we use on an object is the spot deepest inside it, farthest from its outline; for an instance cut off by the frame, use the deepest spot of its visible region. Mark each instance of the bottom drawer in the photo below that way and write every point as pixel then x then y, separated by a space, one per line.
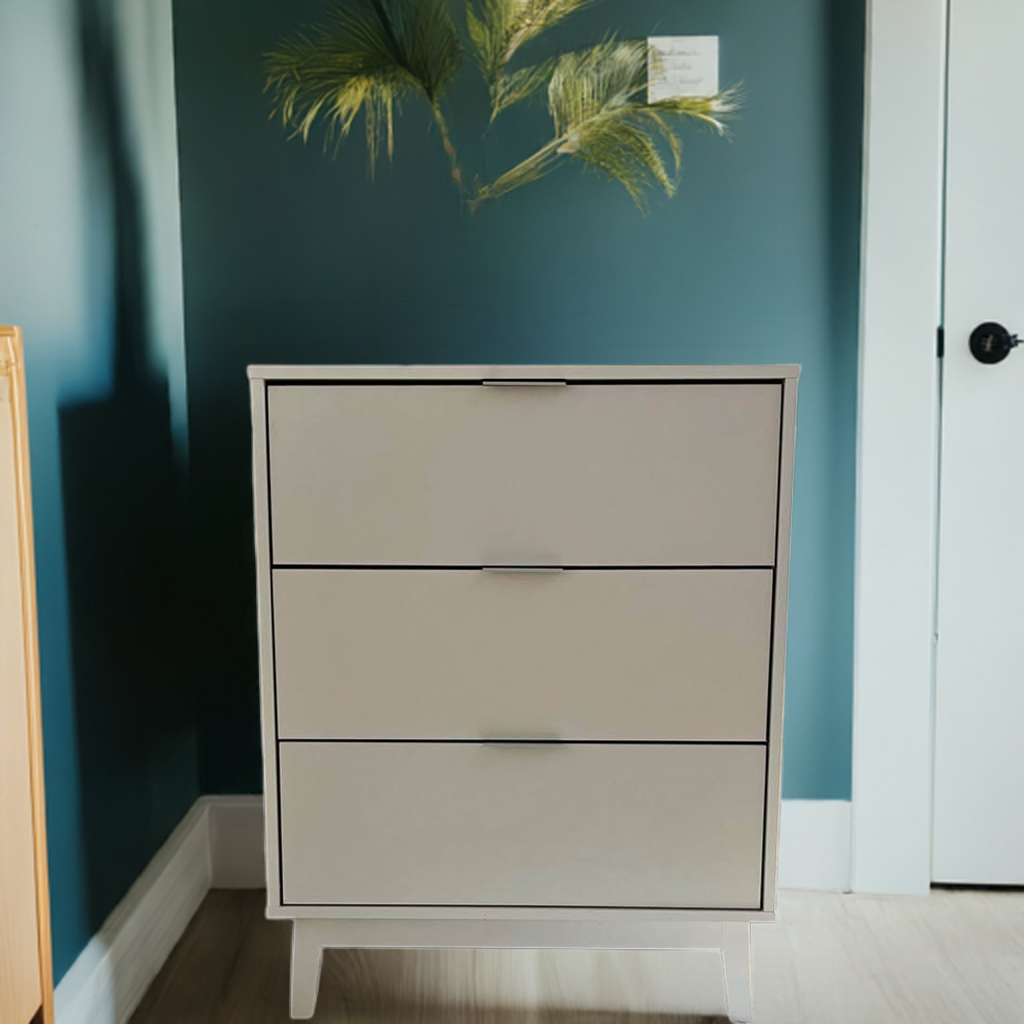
pixel 571 825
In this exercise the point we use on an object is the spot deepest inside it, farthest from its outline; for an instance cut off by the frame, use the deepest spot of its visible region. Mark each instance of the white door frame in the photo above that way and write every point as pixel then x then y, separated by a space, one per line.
pixel 897 446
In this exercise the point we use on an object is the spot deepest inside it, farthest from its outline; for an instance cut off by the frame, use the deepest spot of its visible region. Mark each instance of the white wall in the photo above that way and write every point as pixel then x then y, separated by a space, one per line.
pixel 898 447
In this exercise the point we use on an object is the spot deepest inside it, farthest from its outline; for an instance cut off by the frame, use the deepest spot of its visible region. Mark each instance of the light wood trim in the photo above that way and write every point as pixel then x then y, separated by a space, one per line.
pixel 12 366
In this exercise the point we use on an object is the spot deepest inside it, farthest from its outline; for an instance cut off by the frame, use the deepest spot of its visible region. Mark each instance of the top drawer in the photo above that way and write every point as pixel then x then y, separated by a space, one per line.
pixel 469 474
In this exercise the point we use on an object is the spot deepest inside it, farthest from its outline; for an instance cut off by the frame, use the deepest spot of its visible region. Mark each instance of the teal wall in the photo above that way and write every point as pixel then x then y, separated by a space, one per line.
pixel 105 383
pixel 291 256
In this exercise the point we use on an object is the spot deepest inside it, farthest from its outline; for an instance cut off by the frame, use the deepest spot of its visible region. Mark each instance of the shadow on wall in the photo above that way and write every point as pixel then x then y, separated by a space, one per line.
pixel 125 510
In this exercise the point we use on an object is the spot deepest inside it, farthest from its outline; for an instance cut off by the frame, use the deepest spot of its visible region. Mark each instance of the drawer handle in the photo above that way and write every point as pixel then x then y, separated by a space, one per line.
pixel 533 743
pixel 522 568
pixel 524 383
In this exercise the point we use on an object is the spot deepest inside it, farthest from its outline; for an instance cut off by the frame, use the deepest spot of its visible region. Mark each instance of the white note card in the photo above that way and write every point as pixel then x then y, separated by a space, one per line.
pixel 682 66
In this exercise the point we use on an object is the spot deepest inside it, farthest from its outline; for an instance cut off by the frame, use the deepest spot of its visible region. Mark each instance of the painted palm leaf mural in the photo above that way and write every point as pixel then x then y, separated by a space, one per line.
pixel 372 55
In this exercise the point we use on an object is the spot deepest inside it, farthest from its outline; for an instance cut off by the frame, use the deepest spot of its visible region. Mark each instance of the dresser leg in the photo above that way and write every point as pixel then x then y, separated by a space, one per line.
pixel 306 957
pixel 736 956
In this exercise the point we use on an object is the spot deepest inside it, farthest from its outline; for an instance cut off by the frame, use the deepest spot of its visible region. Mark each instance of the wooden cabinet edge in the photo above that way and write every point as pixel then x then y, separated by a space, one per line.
pixel 12 376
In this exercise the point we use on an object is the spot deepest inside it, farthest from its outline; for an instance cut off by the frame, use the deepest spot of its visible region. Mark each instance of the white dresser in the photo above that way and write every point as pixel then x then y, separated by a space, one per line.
pixel 522 636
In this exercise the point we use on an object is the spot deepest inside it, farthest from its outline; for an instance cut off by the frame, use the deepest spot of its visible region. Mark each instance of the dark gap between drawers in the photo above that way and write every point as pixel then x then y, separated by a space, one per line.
pixel 534 906
pixel 479 382
pixel 536 743
pixel 414 566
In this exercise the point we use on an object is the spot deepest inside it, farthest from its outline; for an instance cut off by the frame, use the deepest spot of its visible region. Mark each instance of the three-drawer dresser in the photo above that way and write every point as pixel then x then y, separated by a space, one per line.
pixel 522 642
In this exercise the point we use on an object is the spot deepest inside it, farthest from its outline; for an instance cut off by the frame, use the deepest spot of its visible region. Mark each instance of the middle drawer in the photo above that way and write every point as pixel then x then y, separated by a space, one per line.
pixel 637 654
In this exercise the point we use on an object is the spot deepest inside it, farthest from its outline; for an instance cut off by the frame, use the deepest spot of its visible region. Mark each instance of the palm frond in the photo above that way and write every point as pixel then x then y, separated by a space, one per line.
pixel 483 36
pixel 425 40
pixel 595 97
pixel 499 27
pixel 533 167
pixel 520 84
pixel 596 105
pixel 369 55
pixel 713 112
pixel 627 152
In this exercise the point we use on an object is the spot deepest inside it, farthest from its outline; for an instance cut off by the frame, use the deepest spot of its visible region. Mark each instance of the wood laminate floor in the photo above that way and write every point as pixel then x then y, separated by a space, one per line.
pixel 946 958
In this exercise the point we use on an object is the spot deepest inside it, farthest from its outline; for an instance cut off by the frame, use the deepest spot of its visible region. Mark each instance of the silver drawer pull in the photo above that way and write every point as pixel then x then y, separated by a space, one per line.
pixel 535 742
pixel 524 383
pixel 537 569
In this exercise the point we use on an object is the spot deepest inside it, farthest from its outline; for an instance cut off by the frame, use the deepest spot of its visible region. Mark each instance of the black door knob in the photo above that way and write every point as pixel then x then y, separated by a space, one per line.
pixel 992 343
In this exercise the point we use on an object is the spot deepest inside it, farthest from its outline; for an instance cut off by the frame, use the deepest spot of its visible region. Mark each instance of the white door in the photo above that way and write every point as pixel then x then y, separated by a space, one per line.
pixel 979 701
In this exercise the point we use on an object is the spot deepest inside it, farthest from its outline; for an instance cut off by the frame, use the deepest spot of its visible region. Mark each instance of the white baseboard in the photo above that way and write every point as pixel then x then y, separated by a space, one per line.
pixel 236 842
pixel 219 844
pixel 814 845
pixel 112 973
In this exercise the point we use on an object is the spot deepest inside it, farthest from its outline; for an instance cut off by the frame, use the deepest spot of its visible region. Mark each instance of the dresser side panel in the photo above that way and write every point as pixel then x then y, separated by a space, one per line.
pixel 265 611
pixel 773 790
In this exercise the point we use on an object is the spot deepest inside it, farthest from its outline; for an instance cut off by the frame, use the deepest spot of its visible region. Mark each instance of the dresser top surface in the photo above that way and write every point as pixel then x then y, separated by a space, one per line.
pixel 472 374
